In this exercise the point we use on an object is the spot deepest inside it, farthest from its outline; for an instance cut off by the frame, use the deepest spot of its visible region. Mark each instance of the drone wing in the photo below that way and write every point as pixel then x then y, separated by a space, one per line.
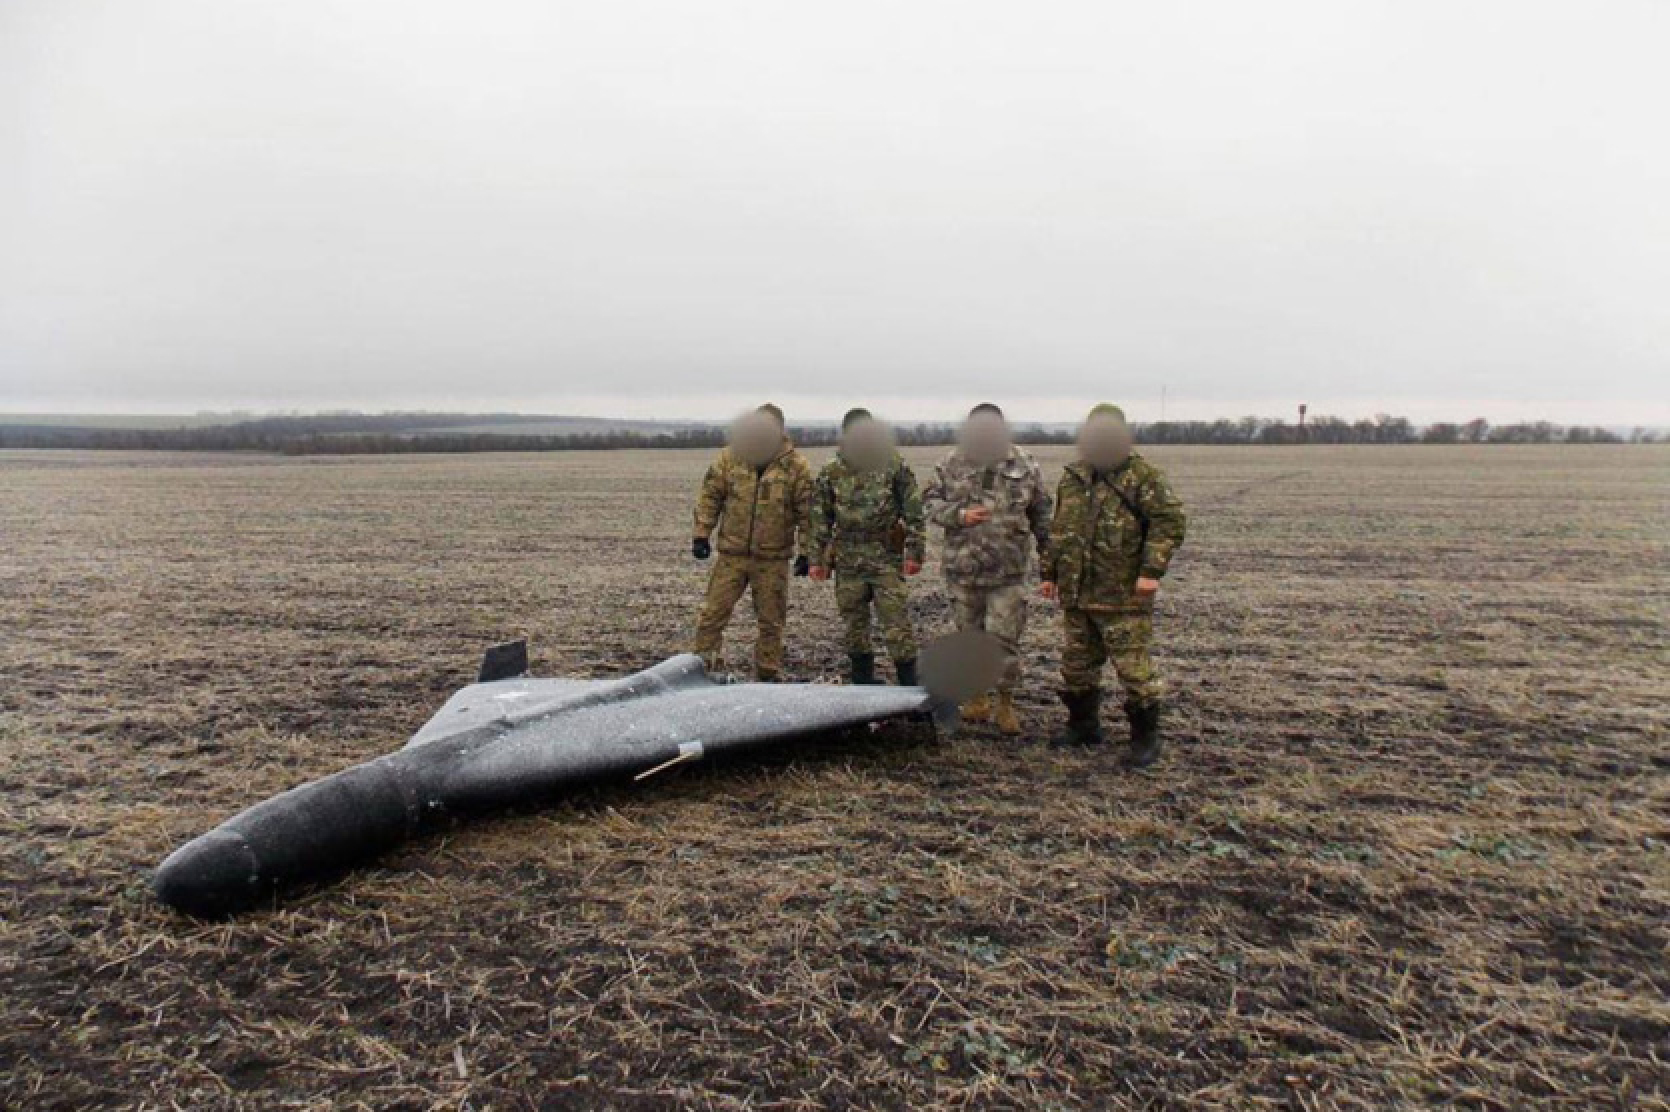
pixel 511 739
pixel 636 727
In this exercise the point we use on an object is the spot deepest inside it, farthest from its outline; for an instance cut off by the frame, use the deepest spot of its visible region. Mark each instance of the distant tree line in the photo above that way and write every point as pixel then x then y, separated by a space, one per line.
pixel 613 440
pixel 393 433
pixel 1382 429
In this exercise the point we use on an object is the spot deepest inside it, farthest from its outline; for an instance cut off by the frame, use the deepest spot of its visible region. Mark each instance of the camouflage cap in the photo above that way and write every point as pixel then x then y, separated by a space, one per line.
pixel 852 416
pixel 1106 409
pixel 771 410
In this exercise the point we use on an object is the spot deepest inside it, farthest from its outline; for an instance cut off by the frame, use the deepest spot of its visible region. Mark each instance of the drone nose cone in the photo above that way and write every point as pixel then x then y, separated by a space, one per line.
pixel 214 875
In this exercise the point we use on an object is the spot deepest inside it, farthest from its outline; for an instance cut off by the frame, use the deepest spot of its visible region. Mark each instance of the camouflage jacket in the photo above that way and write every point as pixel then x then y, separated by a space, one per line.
pixel 856 516
pixel 758 513
pixel 1098 546
pixel 996 552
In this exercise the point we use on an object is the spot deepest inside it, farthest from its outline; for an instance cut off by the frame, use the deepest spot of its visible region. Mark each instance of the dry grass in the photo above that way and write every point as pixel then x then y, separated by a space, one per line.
pixel 1412 846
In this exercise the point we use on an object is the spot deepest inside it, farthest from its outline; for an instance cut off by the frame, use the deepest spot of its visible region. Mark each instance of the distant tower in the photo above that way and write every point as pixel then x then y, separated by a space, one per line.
pixel 1302 408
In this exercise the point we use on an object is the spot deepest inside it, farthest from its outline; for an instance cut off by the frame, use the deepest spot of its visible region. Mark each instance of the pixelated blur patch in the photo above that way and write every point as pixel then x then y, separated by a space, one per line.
pixel 868 445
pixel 1105 442
pixel 755 439
pixel 962 665
pixel 984 439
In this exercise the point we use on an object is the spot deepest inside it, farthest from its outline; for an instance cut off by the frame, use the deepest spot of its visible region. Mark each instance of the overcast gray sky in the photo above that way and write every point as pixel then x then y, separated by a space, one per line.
pixel 670 208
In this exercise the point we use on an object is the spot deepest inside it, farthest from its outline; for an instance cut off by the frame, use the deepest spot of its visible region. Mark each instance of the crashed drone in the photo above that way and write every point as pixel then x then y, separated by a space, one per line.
pixel 510 739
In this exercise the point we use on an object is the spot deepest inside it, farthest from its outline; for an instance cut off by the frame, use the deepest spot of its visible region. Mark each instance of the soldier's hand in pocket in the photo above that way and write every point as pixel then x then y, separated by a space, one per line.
pixel 819 573
pixel 912 567
pixel 977 515
pixel 1049 590
pixel 1146 587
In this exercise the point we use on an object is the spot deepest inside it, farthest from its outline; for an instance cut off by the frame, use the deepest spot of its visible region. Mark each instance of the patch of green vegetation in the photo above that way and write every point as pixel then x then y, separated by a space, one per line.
pixel 1148 956
pixel 1493 847
pixel 1348 851
pixel 1214 847
pixel 983 1050
pixel 980 948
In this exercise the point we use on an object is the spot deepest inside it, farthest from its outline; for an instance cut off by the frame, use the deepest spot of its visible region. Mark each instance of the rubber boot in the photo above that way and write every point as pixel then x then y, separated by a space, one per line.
pixel 977 710
pixel 1008 722
pixel 1084 719
pixel 863 667
pixel 906 670
pixel 1145 734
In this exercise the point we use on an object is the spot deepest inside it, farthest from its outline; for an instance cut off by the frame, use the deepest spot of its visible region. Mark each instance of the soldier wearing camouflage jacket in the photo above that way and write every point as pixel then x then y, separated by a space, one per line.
pixel 868 529
pixel 754 514
pixel 994 514
pixel 1116 527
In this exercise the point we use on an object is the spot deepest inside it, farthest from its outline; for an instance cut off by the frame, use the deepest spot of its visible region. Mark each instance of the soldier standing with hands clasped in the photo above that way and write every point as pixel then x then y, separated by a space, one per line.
pixel 757 494
pixel 1116 527
pixel 867 529
pixel 989 497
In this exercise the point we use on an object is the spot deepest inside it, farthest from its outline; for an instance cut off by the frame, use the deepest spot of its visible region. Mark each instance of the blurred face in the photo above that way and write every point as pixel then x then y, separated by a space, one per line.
pixel 755 438
pixel 867 444
pixel 985 439
pixel 1105 442
pixel 962 665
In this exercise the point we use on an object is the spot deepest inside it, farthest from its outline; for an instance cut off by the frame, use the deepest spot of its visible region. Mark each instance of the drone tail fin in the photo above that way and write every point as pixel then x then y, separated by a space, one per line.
pixel 504 662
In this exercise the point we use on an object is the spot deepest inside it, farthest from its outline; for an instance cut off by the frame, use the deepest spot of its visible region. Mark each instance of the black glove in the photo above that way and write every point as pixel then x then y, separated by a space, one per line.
pixel 700 549
pixel 802 566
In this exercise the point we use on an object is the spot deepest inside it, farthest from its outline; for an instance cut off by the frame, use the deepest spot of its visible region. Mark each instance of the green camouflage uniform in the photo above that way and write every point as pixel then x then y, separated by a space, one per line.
pixel 986 564
pixel 759 514
pixel 1098 549
pixel 854 515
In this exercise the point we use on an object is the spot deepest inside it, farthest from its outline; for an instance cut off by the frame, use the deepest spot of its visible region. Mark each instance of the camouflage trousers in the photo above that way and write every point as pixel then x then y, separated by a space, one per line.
pixel 999 611
pixel 1090 638
pixel 768 582
pixel 857 590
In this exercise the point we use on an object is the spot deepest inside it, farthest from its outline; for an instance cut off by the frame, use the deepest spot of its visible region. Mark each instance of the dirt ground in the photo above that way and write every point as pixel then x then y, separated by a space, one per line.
pixel 1411 845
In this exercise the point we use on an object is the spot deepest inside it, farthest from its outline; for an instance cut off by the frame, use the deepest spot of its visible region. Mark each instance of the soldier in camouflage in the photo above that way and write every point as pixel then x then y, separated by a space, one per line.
pixel 867 529
pixel 1116 526
pixel 757 495
pixel 989 497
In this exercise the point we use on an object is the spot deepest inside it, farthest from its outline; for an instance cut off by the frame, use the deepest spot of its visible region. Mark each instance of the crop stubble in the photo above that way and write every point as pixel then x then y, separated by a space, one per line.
pixel 1412 843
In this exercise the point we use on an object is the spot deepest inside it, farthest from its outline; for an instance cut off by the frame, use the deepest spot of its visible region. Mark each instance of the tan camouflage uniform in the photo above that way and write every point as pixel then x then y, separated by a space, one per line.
pixel 1098 549
pixel 855 516
pixel 986 564
pixel 759 514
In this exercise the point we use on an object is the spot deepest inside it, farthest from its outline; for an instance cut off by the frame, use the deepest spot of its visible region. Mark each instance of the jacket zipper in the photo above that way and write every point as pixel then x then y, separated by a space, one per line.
pixel 754 509
pixel 1089 535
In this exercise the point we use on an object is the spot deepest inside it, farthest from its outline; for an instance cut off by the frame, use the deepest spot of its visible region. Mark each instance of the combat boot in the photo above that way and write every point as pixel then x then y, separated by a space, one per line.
pixel 977 710
pixel 863 668
pixel 1145 734
pixel 1008 723
pixel 906 670
pixel 767 675
pixel 1084 719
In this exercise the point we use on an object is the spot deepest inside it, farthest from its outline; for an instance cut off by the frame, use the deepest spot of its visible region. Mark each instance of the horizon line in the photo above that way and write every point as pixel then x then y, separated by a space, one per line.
pixel 233 415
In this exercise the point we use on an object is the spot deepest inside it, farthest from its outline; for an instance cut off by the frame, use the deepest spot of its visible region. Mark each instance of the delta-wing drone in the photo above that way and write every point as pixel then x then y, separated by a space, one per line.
pixel 511 739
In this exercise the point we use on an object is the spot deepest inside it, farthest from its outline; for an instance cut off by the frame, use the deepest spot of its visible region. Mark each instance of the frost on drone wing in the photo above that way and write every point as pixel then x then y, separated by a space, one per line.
pixel 499 744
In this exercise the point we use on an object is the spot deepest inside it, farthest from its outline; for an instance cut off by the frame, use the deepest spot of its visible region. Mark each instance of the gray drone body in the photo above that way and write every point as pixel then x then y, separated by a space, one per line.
pixel 507 740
